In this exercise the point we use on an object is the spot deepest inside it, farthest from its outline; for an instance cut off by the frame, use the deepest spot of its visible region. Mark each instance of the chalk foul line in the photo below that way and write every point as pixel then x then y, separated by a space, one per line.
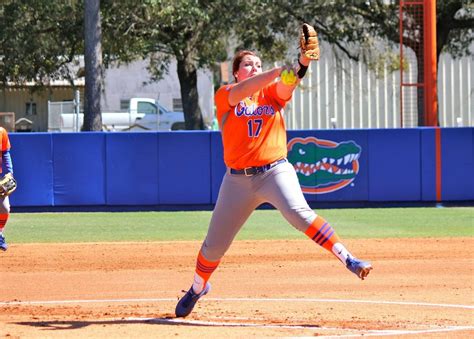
pixel 355 332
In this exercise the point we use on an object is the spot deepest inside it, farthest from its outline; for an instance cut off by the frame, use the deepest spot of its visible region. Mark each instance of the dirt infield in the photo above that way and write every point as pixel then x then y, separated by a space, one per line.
pixel 419 287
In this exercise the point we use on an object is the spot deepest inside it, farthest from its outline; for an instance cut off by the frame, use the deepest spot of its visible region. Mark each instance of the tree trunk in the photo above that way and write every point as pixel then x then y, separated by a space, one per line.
pixel 187 74
pixel 93 66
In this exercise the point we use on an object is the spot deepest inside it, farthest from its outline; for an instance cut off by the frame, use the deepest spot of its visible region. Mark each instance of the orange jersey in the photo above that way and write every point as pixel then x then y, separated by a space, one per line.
pixel 5 146
pixel 253 132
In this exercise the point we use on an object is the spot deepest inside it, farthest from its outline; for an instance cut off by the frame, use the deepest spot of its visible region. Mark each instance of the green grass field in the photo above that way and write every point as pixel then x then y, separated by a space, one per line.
pixel 263 224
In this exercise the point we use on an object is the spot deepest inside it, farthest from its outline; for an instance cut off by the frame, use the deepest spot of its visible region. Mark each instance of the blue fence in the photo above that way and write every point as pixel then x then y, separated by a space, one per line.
pixel 186 168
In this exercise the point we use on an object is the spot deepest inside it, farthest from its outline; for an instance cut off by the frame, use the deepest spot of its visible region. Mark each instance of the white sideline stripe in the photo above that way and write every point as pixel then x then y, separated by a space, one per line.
pixel 348 301
pixel 404 332
pixel 381 333
pixel 310 300
pixel 319 328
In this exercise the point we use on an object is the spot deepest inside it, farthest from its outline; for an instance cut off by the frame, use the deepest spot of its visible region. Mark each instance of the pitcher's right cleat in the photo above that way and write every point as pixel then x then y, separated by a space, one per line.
pixel 358 267
pixel 186 304
pixel 3 243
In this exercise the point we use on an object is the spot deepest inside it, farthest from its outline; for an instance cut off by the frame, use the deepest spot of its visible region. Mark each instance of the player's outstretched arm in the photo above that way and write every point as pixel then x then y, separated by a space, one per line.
pixel 309 45
pixel 252 85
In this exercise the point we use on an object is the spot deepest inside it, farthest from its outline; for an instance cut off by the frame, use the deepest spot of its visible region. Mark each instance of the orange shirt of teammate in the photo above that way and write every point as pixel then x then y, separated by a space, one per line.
pixel 253 132
pixel 5 143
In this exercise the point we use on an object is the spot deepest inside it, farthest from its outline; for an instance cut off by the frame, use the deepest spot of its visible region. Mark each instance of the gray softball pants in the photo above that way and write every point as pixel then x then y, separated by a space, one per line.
pixel 240 195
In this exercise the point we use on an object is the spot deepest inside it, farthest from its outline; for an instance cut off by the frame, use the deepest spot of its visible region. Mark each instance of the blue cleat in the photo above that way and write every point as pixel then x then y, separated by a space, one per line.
pixel 3 243
pixel 186 303
pixel 358 267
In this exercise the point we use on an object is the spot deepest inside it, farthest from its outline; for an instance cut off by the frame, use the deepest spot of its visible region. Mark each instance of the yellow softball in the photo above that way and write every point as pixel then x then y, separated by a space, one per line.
pixel 288 77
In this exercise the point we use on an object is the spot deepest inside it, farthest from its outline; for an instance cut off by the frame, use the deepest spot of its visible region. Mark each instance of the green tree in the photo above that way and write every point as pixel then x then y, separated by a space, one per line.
pixel 354 27
pixel 193 32
pixel 39 41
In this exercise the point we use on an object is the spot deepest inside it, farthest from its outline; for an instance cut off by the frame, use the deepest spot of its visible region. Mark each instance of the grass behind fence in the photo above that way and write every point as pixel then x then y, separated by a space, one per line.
pixel 263 224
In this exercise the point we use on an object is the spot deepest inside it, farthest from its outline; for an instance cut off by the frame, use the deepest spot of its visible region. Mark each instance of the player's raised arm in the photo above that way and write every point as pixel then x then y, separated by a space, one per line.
pixel 251 85
pixel 290 78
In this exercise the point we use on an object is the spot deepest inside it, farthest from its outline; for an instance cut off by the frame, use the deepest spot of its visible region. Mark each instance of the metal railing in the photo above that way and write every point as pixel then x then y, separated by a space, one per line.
pixel 57 108
pixel 348 95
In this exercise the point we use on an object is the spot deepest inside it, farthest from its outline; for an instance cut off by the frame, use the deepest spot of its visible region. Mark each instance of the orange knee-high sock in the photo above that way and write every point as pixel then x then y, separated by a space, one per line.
pixel 322 233
pixel 204 269
pixel 3 220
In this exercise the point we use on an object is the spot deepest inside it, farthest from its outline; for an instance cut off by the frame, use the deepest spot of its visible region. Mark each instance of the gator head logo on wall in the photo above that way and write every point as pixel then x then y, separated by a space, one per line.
pixel 324 166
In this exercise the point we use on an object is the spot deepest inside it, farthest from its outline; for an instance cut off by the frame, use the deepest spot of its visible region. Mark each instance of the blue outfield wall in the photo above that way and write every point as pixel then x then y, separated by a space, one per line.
pixel 394 165
pixel 32 156
pixel 185 168
pixel 131 172
pixel 457 167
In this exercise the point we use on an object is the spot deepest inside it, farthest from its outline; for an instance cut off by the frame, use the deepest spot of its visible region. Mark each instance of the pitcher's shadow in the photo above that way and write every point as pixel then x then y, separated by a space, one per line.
pixel 76 324
pixel 169 320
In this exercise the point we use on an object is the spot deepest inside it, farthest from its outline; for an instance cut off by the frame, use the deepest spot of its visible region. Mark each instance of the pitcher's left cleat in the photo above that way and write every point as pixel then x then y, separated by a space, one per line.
pixel 3 243
pixel 186 304
pixel 358 267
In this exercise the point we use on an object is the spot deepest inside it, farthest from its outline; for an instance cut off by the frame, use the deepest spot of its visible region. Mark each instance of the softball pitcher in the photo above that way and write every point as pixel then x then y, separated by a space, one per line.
pixel 250 115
